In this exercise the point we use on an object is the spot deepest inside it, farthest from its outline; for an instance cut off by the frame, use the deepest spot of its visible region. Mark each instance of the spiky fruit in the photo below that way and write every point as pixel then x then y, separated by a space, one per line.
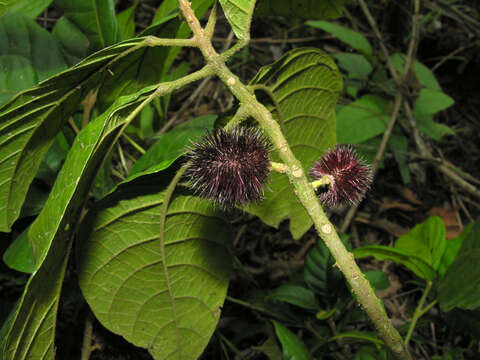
pixel 349 176
pixel 230 166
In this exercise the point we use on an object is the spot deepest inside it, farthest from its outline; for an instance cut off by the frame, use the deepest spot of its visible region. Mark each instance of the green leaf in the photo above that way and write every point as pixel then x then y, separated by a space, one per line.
pixel 19 254
pixel 306 9
pixel 28 55
pixel 30 122
pixel 239 15
pixel 28 8
pixel 6 4
pixel 170 146
pixel 350 37
pixel 321 276
pixel 356 65
pixel 378 279
pixel 460 287
pixel 424 75
pixel 430 102
pixel 380 252
pixel 163 296
pixel 305 83
pixel 32 332
pixel 78 173
pixel 149 65
pixel 96 19
pixel 451 250
pixel 293 347
pixel 363 119
pixel 426 241
pixel 295 295
pixel 126 22
pixel 431 128
pixel 73 42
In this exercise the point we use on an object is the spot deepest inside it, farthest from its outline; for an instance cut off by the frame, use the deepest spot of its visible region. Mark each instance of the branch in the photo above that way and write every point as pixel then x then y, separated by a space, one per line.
pixel 304 190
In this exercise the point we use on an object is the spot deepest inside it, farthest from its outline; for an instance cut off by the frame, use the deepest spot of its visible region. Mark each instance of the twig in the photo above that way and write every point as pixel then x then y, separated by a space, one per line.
pixel 419 312
pixel 377 33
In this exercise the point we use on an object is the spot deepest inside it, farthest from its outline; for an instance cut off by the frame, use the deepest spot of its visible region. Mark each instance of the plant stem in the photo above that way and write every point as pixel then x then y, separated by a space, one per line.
pixel 303 189
pixel 419 312
pixel 134 144
pixel 87 337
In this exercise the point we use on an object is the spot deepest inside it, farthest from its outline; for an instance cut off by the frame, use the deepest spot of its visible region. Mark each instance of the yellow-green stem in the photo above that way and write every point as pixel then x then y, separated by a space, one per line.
pixel 419 312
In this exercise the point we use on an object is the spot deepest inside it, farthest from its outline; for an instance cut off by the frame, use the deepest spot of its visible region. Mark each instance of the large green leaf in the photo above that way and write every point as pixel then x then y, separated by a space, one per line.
pixel 28 55
pixel 73 42
pixel 305 84
pixel 431 101
pixel 413 263
pixel 32 332
pixel 363 119
pixel 239 15
pixel 306 9
pixel 161 291
pixel 31 120
pixel 460 287
pixel 426 241
pixel 96 19
pixel 150 65
pixel 28 8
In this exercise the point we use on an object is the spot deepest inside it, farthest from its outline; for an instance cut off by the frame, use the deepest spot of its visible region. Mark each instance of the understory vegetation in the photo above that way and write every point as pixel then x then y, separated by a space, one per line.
pixel 239 179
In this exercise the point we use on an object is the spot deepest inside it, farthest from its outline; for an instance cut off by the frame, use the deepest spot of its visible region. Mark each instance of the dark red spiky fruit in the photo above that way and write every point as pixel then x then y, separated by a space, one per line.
pixel 230 166
pixel 350 177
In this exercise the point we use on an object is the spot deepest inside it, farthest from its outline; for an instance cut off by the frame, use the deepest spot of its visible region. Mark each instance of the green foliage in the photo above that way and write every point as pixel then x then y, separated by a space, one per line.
pixel 295 295
pixel 306 9
pixel 460 286
pixel 28 8
pixel 239 15
pixel 72 40
pixel 162 293
pixel 366 117
pixel 50 235
pixel 349 37
pixel 28 55
pixel 322 277
pixel 95 18
pixel 31 120
pixel 153 260
pixel 19 254
pixel 305 84
pixel 293 347
pixel 362 119
pixel 421 250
